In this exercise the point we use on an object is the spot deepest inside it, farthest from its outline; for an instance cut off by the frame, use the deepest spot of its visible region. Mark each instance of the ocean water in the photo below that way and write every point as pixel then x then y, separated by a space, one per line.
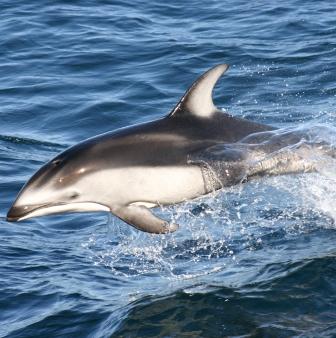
pixel 255 260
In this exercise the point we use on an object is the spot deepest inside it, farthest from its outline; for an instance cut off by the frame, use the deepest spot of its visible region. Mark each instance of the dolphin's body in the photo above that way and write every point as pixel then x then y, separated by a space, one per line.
pixel 194 150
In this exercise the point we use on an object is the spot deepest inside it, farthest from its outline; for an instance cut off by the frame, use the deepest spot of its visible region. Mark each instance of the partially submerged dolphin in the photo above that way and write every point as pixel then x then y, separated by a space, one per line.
pixel 193 151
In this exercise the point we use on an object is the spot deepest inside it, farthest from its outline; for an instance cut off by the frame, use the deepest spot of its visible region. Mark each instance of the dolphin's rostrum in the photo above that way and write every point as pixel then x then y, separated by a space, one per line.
pixel 193 151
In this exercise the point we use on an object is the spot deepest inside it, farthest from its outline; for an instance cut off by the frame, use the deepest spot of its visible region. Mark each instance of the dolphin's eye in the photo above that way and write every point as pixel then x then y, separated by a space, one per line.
pixel 73 195
pixel 56 162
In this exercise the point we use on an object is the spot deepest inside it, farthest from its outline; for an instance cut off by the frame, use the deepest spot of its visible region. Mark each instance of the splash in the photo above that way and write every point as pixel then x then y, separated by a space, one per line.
pixel 318 191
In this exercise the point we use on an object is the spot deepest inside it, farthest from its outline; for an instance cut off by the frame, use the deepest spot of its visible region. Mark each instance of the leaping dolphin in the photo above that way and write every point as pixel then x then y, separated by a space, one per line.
pixel 191 152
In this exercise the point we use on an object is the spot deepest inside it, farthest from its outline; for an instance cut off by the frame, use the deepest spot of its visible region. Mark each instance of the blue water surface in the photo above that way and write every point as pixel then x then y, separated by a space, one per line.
pixel 256 260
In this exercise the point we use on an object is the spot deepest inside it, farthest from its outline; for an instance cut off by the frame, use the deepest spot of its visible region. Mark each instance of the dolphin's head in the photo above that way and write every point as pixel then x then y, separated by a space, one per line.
pixel 61 185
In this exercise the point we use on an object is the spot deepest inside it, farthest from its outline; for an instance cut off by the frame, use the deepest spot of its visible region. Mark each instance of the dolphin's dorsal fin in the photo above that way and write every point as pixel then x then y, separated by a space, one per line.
pixel 197 100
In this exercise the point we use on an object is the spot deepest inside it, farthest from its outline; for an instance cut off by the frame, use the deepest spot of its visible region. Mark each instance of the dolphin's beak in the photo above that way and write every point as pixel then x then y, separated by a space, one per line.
pixel 17 213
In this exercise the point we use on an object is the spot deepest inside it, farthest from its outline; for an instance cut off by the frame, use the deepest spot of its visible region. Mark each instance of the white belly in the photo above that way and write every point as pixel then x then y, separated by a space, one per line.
pixel 151 185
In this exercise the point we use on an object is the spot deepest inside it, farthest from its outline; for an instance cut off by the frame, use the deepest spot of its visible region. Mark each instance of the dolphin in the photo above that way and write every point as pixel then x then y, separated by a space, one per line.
pixel 194 150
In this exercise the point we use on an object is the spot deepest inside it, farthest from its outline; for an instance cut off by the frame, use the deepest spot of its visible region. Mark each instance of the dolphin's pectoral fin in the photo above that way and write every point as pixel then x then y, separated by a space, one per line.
pixel 141 218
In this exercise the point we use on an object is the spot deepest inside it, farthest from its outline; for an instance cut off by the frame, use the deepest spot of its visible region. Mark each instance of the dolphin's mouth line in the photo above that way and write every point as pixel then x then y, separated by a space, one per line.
pixel 20 213
pixel 14 215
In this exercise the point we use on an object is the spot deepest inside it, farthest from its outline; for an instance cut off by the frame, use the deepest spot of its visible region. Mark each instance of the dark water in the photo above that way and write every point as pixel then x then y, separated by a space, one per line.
pixel 253 261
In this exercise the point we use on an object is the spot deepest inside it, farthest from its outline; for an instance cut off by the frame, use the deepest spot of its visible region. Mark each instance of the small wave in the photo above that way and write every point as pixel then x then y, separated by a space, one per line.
pixel 30 141
pixel 213 310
